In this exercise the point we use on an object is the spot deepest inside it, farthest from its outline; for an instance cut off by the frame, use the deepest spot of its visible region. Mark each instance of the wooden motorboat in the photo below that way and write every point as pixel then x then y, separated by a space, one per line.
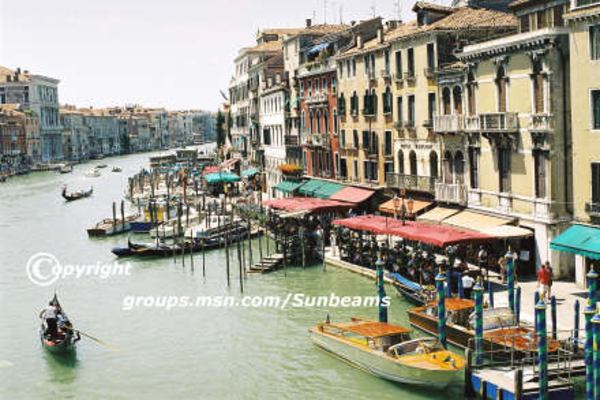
pixel 80 194
pixel 109 226
pixel 387 351
pixel 64 338
pixel 501 332
pixel 92 173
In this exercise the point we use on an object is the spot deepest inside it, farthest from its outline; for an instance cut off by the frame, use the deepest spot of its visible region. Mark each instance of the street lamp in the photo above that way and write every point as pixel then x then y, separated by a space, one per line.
pixel 410 204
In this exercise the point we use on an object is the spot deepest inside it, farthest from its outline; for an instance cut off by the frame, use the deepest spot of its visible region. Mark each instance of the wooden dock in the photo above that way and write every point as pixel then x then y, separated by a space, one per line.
pixel 268 264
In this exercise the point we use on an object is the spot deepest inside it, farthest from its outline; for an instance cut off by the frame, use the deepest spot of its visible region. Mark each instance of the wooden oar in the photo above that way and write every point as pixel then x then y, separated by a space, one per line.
pixel 103 343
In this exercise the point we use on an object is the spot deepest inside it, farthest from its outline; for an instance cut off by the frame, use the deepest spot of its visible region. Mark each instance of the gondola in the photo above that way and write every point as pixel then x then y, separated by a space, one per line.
pixel 80 194
pixel 65 338
pixel 411 291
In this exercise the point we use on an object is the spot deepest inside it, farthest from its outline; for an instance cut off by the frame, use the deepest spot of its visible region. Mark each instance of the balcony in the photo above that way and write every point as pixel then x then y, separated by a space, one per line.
pixel 385 74
pixel 290 140
pixel 448 123
pixel 593 209
pixel 503 122
pixel 409 77
pixel 354 112
pixel 451 193
pixel 371 75
pixel 348 150
pixel 316 98
pixel 316 140
pixel 368 111
pixel 541 123
pixel 409 126
pixel 399 78
pixel 428 123
pixel 411 182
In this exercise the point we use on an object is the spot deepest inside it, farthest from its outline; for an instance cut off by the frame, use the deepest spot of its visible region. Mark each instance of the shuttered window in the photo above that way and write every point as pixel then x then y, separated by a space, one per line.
pixel 595 42
pixel 474 167
pixel 399 64
pixel 596 109
pixel 504 169
pixel 501 85
pixel 539 159
pixel 596 183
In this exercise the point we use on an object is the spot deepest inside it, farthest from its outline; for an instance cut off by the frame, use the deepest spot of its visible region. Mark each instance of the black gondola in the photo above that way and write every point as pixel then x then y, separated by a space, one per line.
pixel 63 338
pixel 80 194
pixel 411 291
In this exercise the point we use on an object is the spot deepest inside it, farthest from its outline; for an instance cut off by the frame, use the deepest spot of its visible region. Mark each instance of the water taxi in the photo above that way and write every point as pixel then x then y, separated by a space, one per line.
pixel 387 351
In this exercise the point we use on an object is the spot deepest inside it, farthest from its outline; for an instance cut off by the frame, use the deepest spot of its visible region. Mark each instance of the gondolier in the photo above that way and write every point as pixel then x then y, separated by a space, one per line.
pixel 49 315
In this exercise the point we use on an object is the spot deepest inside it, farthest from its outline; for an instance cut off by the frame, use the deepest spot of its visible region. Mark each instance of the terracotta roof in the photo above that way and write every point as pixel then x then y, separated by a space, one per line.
pixel 23 76
pixel 423 5
pixel 584 12
pixel 10 109
pixel 281 31
pixel 325 29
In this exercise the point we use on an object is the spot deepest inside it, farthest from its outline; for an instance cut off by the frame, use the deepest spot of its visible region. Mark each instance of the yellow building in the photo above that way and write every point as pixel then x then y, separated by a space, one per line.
pixel 584 23
pixel 506 142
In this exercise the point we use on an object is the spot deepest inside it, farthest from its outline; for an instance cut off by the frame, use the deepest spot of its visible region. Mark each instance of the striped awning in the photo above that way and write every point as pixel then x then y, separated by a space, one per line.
pixel 437 215
pixel 476 221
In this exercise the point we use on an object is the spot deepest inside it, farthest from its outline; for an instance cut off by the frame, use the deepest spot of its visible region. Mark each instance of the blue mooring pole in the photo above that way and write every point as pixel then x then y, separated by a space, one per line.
pixel 553 315
pixel 510 279
pixel 589 312
pixel 448 284
pixel 596 328
pixel 383 315
pixel 439 281
pixel 518 304
pixel 478 289
pixel 461 289
pixel 593 285
pixel 490 294
pixel 540 325
pixel 576 332
pixel 536 297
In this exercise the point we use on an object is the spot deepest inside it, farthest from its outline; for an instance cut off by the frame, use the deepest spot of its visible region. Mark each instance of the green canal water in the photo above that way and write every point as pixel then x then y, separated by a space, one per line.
pixel 189 352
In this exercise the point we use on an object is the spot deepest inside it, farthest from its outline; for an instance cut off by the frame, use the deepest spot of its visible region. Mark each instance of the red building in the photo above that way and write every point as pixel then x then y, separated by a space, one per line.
pixel 13 149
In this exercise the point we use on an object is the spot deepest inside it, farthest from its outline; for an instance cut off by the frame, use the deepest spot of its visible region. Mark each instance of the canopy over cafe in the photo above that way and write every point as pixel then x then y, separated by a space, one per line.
pixel 583 242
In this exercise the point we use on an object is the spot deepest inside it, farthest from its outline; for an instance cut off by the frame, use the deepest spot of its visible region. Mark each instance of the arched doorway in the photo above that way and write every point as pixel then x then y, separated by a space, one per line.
pixel 413 163
pixel 433 164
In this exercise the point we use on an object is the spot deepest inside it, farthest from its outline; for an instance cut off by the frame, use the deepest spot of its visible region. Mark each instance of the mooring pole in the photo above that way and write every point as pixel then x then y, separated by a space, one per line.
pixel 382 305
pixel 478 294
pixel 596 328
pixel 576 325
pixel 439 281
pixel 553 316
pixel 589 312
pixel 518 304
pixel 510 279
pixel 540 313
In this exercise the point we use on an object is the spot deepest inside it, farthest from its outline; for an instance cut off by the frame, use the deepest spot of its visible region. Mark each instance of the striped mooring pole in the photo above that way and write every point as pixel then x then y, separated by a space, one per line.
pixel 383 314
pixel 518 305
pixel 576 330
pixel 478 289
pixel 449 284
pixel 510 279
pixel 589 312
pixel 593 285
pixel 440 279
pixel 540 325
pixel 596 327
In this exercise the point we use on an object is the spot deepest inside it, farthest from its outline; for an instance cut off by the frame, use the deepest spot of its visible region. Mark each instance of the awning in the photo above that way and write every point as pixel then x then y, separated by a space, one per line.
pixel 288 186
pixel 229 163
pixel 508 231
pixel 352 194
pixel 475 221
pixel 436 235
pixel 317 48
pixel 328 189
pixel 418 205
pixel 295 101
pixel 579 239
pixel 218 177
pixel 306 204
pixel 310 187
pixel 437 215
pixel 210 169
pixel 249 172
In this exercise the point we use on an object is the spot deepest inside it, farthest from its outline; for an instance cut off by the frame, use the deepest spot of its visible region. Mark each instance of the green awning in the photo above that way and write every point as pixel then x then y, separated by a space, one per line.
pixel 579 239
pixel 288 186
pixel 249 172
pixel 218 177
pixel 310 187
pixel 327 190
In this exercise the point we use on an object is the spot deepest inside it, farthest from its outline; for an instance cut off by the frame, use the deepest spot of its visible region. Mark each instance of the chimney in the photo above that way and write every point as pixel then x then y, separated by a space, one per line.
pixel 393 24
pixel 359 41
pixel 308 22
pixel 380 35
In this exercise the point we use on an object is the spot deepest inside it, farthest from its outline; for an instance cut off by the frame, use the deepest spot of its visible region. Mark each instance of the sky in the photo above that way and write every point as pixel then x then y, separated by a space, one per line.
pixel 172 53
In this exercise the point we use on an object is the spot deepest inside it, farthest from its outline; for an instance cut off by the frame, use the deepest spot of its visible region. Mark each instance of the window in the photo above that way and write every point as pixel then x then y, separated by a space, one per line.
pixel 446 101
pixel 354 67
pixel 341 69
pixel 348 68
pixel 457 96
pixel 374 147
pixel 343 138
pixel 266 137
pixel 336 127
pixel 459 167
pixel 399 103
pixel 430 56
pixel 386 57
pixel 542 19
pixel 344 168
pixel 324 85
pixel 411 62
pixel 596 183
pixel 341 105
pixel 325 122
pixel 596 109
pixel 413 163
pixel 431 108
pixel 399 64
pixel 433 164
pixel 504 169
pixel 411 110
pixel 595 42
pixel 387 101
pixel 333 84
pixel 337 164
pixel 474 167
pixel 373 102
pixel 538 87
pixel 401 162
pixel 309 87
pixel 539 160
pixel 557 16
pixel 356 169
pixel 365 140
pixel 366 170
pixel 501 89
pixel 355 141
pixel 387 149
pixel 448 167
pixel 525 23
pixel 471 85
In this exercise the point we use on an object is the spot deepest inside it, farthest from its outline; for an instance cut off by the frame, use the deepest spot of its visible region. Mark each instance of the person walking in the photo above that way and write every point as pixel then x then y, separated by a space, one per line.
pixel 467 284
pixel 544 281
pixel 502 265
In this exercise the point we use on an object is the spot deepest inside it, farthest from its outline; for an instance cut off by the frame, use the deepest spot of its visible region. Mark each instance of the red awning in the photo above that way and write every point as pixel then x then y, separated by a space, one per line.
pixel 351 194
pixel 210 169
pixel 437 235
pixel 229 163
pixel 306 204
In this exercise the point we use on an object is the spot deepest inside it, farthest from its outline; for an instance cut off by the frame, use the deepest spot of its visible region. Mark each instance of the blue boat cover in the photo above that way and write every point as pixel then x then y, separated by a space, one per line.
pixel 406 282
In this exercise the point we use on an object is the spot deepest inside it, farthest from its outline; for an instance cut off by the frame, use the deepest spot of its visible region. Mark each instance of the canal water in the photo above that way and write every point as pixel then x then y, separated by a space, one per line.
pixel 185 352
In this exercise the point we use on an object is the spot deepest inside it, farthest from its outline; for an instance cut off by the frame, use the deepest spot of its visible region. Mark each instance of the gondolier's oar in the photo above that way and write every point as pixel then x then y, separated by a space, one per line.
pixel 103 343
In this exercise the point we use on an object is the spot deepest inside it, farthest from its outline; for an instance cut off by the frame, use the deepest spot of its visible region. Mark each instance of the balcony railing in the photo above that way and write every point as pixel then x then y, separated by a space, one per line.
pixel 371 74
pixel 368 111
pixel 593 209
pixel 493 122
pixel 428 123
pixel 291 140
pixel 448 123
pixel 451 193
pixel 385 73
pixel 316 98
pixel 399 78
pixel 411 182
pixel 541 122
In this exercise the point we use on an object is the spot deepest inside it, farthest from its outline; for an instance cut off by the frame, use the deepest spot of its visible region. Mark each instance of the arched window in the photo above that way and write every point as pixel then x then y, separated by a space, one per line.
pixel 374 101
pixel 501 89
pixel 318 123
pixel 325 121
pixel 413 163
pixel 433 164
pixel 354 103
pixel 471 85
pixel 400 162
pixel 448 167
pixel 459 167
pixel 457 96
pixel 387 101
pixel 446 102
pixel 311 125
pixel 341 105
pixel 538 87
pixel 335 122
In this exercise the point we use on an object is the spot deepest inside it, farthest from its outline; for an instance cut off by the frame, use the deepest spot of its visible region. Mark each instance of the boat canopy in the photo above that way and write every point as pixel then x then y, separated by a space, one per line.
pixel 436 235
pixel 579 239
pixel 371 329
pixel 306 204
pixel 455 304
pixel 352 194
pixel 219 177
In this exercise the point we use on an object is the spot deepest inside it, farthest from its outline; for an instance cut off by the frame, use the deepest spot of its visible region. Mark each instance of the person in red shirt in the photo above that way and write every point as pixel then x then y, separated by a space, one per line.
pixel 544 281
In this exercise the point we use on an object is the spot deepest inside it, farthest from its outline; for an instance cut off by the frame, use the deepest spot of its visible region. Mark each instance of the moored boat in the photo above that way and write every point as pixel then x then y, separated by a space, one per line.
pixel 387 351
pixel 117 169
pixel 80 194
pixel 411 291
pixel 66 169
pixel 56 331
pixel 101 166
pixel 109 226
